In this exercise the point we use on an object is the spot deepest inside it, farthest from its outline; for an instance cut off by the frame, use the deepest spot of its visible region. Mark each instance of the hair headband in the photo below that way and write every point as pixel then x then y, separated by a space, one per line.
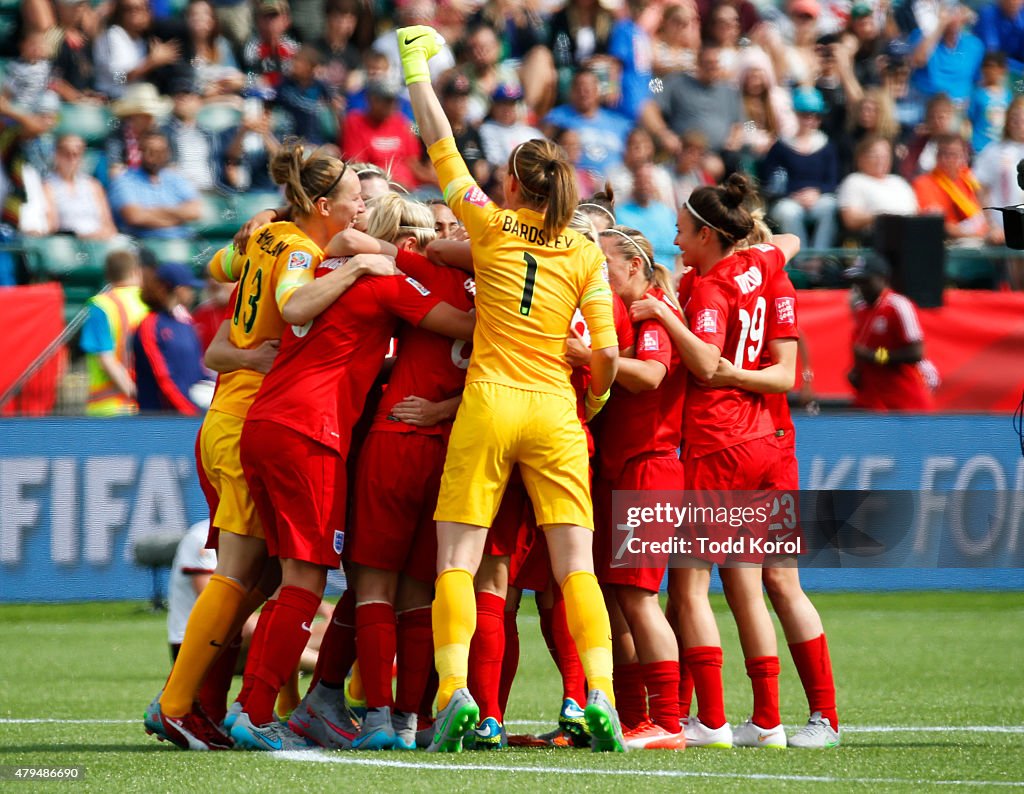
pixel 334 184
pixel 636 245
pixel 710 225
pixel 605 210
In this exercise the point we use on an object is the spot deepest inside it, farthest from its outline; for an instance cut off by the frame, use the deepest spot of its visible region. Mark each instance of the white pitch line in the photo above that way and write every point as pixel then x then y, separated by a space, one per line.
pixel 1006 729
pixel 320 758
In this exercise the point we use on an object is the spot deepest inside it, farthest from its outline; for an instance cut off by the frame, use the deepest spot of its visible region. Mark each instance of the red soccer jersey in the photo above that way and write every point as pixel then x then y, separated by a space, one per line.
pixel 891 323
pixel 388 145
pixel 323 370
pixel 780 324
pixel 580 377
pixel 647 421
pixel 429 365
pixel 728 309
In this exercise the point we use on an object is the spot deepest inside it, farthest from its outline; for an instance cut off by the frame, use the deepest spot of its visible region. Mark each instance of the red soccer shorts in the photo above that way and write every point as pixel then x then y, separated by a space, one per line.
pixel 393 525
pixel 509 528
pixel 298 487
pixel 654 472
pixel 530 567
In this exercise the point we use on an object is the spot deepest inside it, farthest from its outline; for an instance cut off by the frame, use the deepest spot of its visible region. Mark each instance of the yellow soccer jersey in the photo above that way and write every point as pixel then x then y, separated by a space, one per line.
pixel 527 287
pixel 278 260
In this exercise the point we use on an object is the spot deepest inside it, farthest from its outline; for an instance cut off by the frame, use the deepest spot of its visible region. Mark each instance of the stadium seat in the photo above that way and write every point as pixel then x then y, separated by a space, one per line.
pixel 53 257
pixel 217 117
pixel 329 123
pixel 91 122
pixel 248 204
pixel 177 250
pixel 219 217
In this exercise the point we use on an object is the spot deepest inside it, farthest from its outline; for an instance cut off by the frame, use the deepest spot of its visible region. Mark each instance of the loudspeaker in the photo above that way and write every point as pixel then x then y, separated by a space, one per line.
pixel 915 248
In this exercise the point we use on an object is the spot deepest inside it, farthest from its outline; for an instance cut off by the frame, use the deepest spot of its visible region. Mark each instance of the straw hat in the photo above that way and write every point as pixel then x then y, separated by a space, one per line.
pixel 144 99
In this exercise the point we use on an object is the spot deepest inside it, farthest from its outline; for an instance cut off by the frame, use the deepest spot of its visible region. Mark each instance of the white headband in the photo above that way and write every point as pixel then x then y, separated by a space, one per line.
pixel 417 228
pixel 515 169
pixel 599 207
pixel 636 245
pixel 710 225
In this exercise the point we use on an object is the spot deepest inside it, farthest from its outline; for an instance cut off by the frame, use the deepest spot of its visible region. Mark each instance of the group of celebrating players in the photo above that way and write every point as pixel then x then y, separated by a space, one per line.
pixel 544 361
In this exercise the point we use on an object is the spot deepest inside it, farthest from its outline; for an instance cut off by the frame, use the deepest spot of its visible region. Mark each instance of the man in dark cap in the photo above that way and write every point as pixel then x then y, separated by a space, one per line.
pixel 888 344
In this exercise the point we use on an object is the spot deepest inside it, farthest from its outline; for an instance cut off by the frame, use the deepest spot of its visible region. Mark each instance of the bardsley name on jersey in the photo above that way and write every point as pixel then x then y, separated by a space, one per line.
pixel 534 235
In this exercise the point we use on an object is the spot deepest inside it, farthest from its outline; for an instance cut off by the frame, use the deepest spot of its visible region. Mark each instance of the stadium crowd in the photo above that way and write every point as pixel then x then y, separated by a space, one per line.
pixel 127 116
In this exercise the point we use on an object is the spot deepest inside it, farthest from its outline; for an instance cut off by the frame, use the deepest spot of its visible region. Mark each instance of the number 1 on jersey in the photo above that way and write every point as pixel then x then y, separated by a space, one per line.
pixel 531 278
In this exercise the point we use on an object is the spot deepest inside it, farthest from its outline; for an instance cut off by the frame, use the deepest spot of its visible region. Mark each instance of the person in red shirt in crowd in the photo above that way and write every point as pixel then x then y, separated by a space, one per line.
pixel 269 54
pixel 383 136
pixel 638 450
pixel 800 620
pixel 888 345
pixel 730 445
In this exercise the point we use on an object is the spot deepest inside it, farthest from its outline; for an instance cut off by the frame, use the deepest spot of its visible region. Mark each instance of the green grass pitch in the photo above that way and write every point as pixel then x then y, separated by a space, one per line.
pixel 936 662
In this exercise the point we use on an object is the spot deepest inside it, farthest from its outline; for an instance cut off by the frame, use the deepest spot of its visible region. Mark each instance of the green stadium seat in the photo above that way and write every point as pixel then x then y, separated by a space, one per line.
pixel 329 123
pixel 91 122
pixel 219 217
pixel 248 204
pixel 217 117
pixel 53 257
pixel 177 250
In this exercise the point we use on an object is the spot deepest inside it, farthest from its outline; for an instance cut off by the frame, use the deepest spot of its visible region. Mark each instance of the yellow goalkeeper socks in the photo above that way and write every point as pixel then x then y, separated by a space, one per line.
pixel 417 45
pixel 208 631
pixel 454 618
pixel 588 622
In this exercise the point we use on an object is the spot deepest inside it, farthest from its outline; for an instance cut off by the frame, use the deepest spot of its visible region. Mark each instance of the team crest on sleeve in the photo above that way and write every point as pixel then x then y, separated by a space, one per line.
pixel 476 197
pixel 299 260
pixel 339 541
pixel 785 313
pixel 649 343
pixel 417 286
pixel 706 322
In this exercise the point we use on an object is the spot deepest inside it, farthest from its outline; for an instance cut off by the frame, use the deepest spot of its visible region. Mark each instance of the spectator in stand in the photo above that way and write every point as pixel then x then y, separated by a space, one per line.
pixel 113 316
pixel 569 140
pixel 748 15
pixel 77 203
pixel 209 54
pixel 837 83
pixel 129 50
pixel 28 78
pixel 867 42
pixel 340 55
pixel 73 70
pixel 1001 29
pixel 503 130
pixel 948 60
pixel 796 57
pixel 645 210
pixel 707 103
pixel 578 37
pixel 767 106
pixel 909 102
pixel 996 169
pixel 691 171
pixel 801 173
pixel 639 152
pixel 989 102
pixel 137 112
pixel 484 70
pixel 522 32
pixel 305 98
pixel 192 147
pixel 602 132
pixel 952 190
pixel 414 12
pixel 455 101
pixel 376 66
pixel 248 148
pixel 234 18
pixel 873 116
pixel 383 137
pixel 154 201
pixel 940 119
pixel 167 352
pixel 888 345
pixel 677 41
pixel 722 31
pixel 633 49
pixel 269 53
pixel 873 189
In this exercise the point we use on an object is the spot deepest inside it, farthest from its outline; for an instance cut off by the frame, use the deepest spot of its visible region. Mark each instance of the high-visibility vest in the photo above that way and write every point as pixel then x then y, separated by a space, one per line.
pixel 124 310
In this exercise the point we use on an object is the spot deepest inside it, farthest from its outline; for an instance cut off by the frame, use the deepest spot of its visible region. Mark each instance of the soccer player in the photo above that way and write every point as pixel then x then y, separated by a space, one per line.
pixel 730 443
pixel 276 286
pixel 638 450
pixel 800 620
pixel 518 406
pixel 294 446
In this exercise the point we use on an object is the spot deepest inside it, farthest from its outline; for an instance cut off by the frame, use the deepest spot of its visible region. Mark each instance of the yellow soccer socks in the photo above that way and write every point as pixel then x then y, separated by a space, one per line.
pixel 416 46
pixel 591 630
pixel 454 619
